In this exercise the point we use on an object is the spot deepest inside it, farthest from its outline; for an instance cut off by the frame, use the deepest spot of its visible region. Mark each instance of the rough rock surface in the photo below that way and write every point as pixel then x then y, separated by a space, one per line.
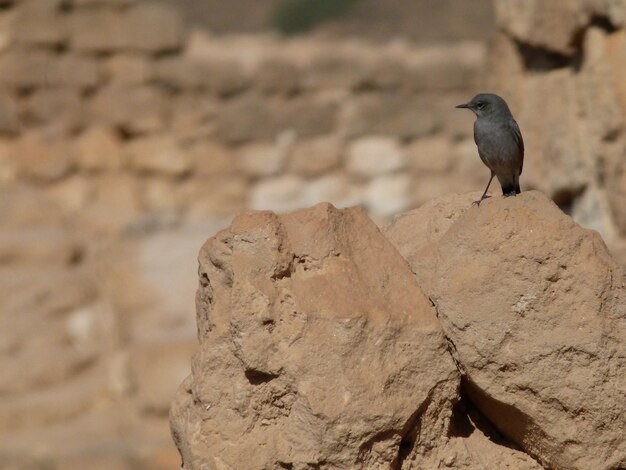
pixel 318 349
pixel 535 311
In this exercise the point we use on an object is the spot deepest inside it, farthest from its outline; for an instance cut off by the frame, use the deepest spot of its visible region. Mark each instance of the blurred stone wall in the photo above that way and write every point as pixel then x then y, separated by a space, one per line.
pixel 125 141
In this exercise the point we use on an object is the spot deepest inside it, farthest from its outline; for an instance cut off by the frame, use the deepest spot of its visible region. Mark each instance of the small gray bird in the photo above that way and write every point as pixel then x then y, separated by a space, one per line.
pixel 499 141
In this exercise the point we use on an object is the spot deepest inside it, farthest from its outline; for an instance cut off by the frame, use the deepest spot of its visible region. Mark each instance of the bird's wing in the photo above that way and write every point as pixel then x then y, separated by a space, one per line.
pixel 517 135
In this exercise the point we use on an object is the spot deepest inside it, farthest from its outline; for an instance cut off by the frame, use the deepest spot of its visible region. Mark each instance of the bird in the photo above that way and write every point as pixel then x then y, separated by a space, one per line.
pixel 499 141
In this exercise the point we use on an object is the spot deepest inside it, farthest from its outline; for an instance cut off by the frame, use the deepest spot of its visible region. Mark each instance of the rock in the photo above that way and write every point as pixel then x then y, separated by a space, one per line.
pixel 134 109
pixel 129 69
pixel 210 158
pixel 146 27
pixel 43 159
pixel 387 195
pixel 158 154
pixel 534 308
pixel 554 25
pixel 336 188
pixel 261 160
pixel 315 157
pixel 224 78
pixel 156 369
pixel 393 114
pixel 317 348
pixel 59 109
pixel 277 76
pixel 216 197
pixel 9 119
pixel 375 155
pixel 99 149
pixel 252 118
pixel 280 194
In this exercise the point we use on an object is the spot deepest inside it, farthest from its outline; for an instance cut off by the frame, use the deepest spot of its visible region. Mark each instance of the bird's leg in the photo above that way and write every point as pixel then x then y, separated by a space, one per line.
pixel 485 193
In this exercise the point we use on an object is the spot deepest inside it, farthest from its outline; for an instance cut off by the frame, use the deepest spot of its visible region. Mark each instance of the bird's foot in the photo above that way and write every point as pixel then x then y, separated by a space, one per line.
pixel 477 203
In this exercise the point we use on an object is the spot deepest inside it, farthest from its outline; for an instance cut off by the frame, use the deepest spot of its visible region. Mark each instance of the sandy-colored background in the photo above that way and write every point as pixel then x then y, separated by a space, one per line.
pixel 131 130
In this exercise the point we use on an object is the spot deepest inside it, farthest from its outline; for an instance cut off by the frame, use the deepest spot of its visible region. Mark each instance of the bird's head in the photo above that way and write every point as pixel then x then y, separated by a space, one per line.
pixel 487 105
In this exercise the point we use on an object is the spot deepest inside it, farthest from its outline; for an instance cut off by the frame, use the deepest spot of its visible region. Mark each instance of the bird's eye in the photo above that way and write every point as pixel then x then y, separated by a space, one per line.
pixel 480 105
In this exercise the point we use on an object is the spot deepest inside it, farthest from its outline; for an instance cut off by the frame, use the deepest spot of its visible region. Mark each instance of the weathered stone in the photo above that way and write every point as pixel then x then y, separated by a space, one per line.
pixel 393 114
pixel 337 189
pixel 535 309
pixel 158 154
pixel 113 205
pixel 334 72
pixel 252 118
pixel 275 76
pixel 217 197
pixel 128 69
pixel 446 68
pixel 44 27
pixel 279 194
pixel 430 155
pixel 134 109
pixel 272 290
pixel 147 27
pixel 371 156
pixel 43 159
pixel 156 369
pixel 260 160
pixel 211 159
pixel 217 76
pixel 554 25
pixel 314 157
pixel 387 195
pixel 60 109
pixel 193 116
pixel 99 149
pixel 9 119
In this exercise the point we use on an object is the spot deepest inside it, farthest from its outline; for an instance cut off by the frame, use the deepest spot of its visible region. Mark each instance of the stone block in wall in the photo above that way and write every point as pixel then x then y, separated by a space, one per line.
pixel 336 188
pixel 334 72
pixel 192 116
pixel 210 158
pixel 43 159
pixel 135 110
pixel 254 117
pixel 156 370
pixel 128 69
pixel 9 119
pixel 22 68
pixel 279 194
pixel 222 77
pixel 388 195
pixel 405 116
pixel 113 205
pixel 260 160
pixel 278 76
pixel 60 109
pixel 447 67
pixel 41 27
pixel 217 197
pixel 430 155
pixel 375 155
pixel 99 149
pixel 160 194
pixel 315 156
pixel 158 154
pixel 147 27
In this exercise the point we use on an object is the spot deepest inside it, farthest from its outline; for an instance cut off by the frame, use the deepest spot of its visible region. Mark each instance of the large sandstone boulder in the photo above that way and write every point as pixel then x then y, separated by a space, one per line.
pixel 317 350
pixel 535 311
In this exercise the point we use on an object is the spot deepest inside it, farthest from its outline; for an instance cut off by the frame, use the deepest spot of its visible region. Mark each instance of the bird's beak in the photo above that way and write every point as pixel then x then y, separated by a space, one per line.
pixel 464 105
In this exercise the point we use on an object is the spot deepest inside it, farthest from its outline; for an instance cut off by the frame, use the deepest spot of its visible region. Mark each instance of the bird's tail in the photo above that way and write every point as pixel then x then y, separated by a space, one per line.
pixel 517 188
